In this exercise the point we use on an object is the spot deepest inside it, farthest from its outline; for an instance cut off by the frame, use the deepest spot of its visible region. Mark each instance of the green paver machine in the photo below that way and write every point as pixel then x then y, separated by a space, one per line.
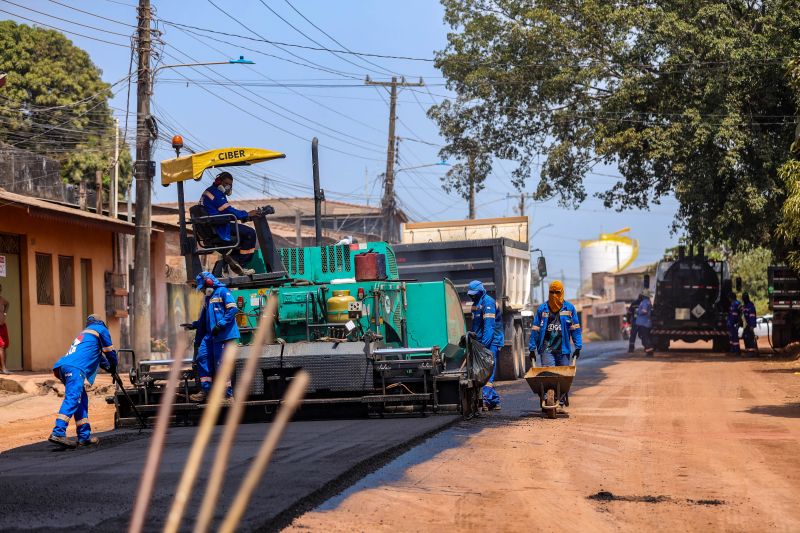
pixel 373 343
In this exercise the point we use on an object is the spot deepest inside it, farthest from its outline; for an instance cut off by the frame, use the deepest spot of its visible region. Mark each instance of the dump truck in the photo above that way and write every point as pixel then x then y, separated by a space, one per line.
pixel 494 251
pixel 372 342
pixel 784 302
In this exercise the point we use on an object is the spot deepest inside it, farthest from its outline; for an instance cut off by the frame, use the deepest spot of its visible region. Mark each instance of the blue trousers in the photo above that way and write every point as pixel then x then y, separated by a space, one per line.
pixel 733 337
pixel 490 396
pixel 209 359
pixel 247 245
pixel 632 339
pixel 75 404
pixel 555 359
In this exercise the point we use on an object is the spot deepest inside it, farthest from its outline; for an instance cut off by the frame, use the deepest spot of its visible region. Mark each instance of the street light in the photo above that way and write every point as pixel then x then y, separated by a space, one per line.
pixel 439 164
pixel 538 230
pixel 240 61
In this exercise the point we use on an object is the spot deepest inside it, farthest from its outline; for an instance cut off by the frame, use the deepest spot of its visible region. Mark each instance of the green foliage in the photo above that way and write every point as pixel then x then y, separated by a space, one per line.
pixel 751 266
pixel 789 227
pixel 689 98
pixel 472 161
pixel 55 103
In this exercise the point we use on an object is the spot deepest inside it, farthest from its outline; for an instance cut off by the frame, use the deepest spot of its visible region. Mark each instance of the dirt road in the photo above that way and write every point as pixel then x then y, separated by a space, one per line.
pixel 683 441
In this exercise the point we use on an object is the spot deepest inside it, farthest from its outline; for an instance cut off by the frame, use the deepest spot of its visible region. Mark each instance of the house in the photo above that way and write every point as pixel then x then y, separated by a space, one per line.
pixel 611 294
pixel 57 265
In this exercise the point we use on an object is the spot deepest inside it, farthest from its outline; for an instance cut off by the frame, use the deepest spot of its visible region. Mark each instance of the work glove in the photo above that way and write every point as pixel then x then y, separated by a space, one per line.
pixel 215 330
pixel 189 326
pixel 533 355
pixel 576 353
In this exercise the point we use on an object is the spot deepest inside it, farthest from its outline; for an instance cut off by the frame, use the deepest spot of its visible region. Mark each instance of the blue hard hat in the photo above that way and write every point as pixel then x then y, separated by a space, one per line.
pixel 475 287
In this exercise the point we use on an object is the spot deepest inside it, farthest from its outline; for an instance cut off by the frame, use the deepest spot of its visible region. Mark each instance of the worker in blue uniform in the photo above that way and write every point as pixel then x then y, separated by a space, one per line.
pixel 644 321
pixel 734 322
pixel 556 328
pixel 631 318
pixel 487 324
pixel 215 200
pixel 750 321
pixel 90 349
pixel 216 327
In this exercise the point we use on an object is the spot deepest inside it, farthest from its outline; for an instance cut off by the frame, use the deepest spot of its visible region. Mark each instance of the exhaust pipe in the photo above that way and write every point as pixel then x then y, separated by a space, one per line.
pixel 319 194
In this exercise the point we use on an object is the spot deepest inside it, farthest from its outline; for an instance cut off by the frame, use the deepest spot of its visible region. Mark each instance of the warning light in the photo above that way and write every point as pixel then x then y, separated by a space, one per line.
pixel 240 302
pixel 360 293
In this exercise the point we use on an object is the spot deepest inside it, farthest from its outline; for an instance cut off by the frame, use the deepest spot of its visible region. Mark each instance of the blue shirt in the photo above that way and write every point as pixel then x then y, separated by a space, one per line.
pixel 568 321
pixel 216 203
pixel 750 317
pixel 90 349
pixel 644 314
pixel 487 322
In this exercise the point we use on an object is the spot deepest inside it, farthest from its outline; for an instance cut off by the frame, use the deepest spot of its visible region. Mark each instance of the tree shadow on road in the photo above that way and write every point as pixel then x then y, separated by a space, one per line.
pixel 787 410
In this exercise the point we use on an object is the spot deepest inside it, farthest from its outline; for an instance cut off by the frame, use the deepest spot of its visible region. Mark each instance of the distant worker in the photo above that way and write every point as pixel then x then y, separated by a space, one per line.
pixel 644 321
pixel 631 318
pixel 487 324
pixel 216 327
pixel 556 328
pixel 750 321
pixel 4 341
pixel 90 349
pixel 215 200
pixel 734 323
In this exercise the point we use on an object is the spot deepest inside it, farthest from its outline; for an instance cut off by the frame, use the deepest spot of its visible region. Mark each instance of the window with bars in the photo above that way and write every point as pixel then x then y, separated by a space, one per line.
pixel 44 279
pixel 66 280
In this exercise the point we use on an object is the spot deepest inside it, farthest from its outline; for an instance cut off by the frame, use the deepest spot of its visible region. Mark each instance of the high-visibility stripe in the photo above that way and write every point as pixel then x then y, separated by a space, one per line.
pixel 82 422
pixel 215 300
pixel 474 308
pixel 228 306
pixel 575 326
pixel 65 418
pixel 209 195
pixel 537 328
pixel 248 251
pixel 565 313
pixel 91 332
pixel 109 348
pixel 488 315
pixel 205 379
pixel 224 206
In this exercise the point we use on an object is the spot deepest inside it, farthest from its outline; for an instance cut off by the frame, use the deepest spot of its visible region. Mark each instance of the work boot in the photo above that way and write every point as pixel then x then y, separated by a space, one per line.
pixel 64 442
pixel 630 349
pixel 199 397
pixel 89 443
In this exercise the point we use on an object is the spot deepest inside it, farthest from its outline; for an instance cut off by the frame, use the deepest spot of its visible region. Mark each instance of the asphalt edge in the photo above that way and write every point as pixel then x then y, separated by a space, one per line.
pixel 349 478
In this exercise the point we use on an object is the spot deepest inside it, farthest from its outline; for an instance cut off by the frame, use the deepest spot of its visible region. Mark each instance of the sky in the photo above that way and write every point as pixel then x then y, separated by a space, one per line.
pixel 293 94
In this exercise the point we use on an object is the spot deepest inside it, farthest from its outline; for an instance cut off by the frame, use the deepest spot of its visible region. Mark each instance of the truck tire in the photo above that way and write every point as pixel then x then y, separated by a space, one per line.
pixel 781 335
pixel 519 334
pixel 506 364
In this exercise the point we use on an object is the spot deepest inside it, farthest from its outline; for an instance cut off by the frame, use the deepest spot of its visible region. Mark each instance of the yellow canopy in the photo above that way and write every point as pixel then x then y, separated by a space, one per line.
pixel 192 166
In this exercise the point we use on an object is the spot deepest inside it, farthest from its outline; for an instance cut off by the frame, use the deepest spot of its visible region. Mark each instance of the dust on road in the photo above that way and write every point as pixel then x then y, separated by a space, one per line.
pixel 686 441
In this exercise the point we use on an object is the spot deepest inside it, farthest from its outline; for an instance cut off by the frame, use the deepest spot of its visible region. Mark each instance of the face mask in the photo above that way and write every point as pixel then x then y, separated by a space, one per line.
pixel 209 291
pixel 227 189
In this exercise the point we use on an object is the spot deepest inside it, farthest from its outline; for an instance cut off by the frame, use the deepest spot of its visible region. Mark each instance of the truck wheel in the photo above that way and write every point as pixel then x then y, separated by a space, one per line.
pixel 522 367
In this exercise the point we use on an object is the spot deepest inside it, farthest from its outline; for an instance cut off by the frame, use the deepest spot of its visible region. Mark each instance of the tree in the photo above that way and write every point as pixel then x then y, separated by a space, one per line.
pixel 685 98
pixel 55 103
pixel 789 227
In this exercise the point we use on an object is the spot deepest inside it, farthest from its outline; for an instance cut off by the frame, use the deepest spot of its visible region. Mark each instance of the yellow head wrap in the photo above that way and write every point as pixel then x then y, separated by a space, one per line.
pixel 556 299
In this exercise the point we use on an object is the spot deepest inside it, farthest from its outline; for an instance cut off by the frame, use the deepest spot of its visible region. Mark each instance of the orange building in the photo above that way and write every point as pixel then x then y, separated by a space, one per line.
pixel 57 265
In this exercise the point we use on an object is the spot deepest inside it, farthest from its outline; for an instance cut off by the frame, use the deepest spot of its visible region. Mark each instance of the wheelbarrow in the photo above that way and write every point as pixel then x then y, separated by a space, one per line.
pixel 551 383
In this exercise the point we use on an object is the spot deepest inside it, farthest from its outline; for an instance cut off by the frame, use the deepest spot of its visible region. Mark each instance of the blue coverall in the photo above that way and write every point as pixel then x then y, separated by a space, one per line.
pixel 487 324
pixel 90 349
pixel 215 327
pixel 750 320
pixel 216 203
pixel 734 321
pixel 570 334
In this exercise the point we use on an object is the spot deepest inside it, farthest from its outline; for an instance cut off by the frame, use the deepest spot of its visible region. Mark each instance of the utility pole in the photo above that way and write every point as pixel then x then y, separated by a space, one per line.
pixel 112 201
pixel 98 192
pixel 144 185
pixel 388 203
pixel 471 169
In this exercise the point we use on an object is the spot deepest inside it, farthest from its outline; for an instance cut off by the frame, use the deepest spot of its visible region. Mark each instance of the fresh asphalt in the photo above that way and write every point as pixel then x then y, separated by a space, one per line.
pixel 93 490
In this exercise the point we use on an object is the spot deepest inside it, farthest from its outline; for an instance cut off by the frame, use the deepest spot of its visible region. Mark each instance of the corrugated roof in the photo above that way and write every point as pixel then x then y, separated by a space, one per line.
pixel 286 207
pixel 49 209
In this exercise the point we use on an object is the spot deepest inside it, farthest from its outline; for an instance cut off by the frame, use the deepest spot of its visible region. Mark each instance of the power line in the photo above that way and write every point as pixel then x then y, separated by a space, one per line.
pixel 63 30
pixel 93 14
pixel 65 20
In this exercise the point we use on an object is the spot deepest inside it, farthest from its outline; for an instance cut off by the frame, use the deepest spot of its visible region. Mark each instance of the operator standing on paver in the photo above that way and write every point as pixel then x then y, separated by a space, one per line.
pixel 556 328
pixel 734 322
pixel 90 349
pixel 487 324
pixel 216 327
